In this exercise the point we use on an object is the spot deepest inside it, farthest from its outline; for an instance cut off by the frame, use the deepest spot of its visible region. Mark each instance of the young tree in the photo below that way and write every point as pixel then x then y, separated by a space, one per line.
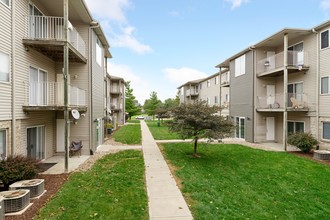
pixel 151 104
pixel 130 104
pixel 198 120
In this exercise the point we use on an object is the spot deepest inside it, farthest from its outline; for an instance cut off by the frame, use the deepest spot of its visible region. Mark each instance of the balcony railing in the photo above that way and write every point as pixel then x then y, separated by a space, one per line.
pixel 115 106
pixel 295 101
pixel 297 59
pixel 52 94
pixel 52 28
pixel 115 89
pixel 191 92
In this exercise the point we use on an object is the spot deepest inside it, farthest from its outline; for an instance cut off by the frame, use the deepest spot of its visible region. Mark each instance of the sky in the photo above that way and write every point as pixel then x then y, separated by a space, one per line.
pixel 159 45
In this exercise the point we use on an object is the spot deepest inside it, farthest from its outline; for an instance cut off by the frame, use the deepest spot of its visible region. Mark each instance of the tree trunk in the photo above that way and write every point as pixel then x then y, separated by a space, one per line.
pixel 195 147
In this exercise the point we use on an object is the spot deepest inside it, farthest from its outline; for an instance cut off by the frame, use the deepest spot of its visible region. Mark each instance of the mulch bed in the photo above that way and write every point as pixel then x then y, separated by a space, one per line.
pixel 310 157
pixel 53 183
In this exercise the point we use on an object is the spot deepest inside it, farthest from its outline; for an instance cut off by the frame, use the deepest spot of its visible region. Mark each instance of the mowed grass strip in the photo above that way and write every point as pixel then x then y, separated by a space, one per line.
pixel 114 188
pixel 128 134
pixel 237 182
pixel 161 132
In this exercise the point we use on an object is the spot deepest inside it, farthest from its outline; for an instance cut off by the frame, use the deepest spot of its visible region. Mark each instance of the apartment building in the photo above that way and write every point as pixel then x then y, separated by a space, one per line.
pixel 31 77
pixel 280 86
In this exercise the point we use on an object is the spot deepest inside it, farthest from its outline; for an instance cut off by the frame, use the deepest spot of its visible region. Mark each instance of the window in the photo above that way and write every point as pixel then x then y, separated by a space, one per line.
pixel 240 66
pixel 200 86
pixel 4 67
pixel 326 130
pixel 98 52
pixel 215 99
pixel 208 100
pixel 325 85
pixel 6 2
pixel 295 126
pixel 182 90
pixel 208 83
pixel 216 80
pixel 325 39
pixel 3 144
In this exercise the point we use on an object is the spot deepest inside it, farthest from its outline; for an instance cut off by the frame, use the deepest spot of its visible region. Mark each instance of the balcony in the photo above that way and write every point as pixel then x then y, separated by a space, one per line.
pixel 116 107
pixel 296 102
pixel 46 35
pixel 115 90
pixel 274 65
pixel 191 92
pixel 50 96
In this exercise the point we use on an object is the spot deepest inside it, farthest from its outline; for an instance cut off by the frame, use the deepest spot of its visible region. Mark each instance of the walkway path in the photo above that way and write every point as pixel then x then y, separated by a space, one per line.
pixel 165 199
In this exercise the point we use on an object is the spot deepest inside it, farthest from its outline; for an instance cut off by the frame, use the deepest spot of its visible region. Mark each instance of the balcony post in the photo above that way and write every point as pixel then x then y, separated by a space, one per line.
pixel 285 93
pixel 65 76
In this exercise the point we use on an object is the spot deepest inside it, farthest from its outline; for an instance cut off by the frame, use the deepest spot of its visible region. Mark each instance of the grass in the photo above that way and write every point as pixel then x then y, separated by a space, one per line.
pixel 162 132
pixel 128 134
pixel 135 121
pixel 236 182
pixel 113 189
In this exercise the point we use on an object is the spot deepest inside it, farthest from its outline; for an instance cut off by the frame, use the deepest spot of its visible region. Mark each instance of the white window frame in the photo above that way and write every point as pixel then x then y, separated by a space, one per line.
pixel 8 65
pixel 4 154
pixel 328 92
pixel 216 80
pixel 9 3
pixel 98 52
pixel 325 122
pixel 240 66
pixel 328 30
pixel 294 125
pixel 215 99
pixel 239 128
pixel 43 147
pixel 208 83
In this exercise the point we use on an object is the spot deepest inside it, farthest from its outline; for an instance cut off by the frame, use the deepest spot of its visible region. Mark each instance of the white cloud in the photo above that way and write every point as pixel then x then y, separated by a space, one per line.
pixel 236 3
pixel 325 4
pixel 139 86
pixel 182 75
pixel 115 24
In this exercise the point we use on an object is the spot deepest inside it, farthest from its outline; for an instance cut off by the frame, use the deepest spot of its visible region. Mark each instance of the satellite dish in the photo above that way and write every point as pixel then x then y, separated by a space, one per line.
pixel 75 114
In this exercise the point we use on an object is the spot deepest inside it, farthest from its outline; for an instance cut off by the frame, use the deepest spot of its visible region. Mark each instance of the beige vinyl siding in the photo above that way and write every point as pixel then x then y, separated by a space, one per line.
pixel 211 91
pixel 5 47
pixel 324 71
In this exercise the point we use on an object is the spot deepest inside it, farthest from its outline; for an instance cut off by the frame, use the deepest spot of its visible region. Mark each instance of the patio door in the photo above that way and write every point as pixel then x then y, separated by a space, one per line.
pixel 240 127
pixel 295 90
pixel 270 128
pixel 271 60
pixel 38 87
pixel 37 25
pixel 296 54
pixel 270 95
pixel 36 142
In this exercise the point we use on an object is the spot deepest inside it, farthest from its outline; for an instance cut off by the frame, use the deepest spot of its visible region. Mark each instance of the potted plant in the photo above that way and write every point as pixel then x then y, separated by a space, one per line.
pixel 109 127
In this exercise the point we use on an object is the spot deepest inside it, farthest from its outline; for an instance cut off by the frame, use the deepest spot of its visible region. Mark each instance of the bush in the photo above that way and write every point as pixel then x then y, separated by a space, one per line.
pixel 16 168
pixel 304 141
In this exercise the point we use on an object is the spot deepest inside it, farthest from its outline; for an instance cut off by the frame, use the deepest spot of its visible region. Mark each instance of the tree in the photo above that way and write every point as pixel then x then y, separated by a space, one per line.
pixel 130 103
pixel 151 104
pixel 198 120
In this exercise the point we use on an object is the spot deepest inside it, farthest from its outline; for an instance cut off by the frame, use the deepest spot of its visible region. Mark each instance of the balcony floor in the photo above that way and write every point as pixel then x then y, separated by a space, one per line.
pixel 53 108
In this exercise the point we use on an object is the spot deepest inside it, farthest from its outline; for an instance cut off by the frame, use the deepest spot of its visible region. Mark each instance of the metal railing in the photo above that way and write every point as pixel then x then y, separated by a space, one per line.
pixel 52 94
pixel 191 92
pixel 295 58
pixel 116 106
pixel 52 28
pixel 295 100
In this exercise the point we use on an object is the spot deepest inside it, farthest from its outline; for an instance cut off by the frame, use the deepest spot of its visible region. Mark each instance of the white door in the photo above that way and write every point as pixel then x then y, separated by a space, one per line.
pixel 60 89
pixel 271 60
pixel 270 95
pixel 270 128
pixel 60 135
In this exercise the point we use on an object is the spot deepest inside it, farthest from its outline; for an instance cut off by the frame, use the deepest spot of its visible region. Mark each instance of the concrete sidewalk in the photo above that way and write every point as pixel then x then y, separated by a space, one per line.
pixel 165 199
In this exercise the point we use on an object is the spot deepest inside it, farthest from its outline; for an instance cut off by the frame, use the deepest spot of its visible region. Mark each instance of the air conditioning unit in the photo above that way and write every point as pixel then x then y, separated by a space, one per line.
pixel 36 186
pixel 15 200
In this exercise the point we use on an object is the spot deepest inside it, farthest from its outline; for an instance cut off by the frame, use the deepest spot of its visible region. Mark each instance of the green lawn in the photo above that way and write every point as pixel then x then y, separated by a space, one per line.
pixel 136 121
pixel 162 132
pixel 237 182
pixel 128 134
pixel 114 188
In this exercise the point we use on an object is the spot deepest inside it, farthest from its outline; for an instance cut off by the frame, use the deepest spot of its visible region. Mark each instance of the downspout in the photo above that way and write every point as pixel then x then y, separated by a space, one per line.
pixel 317 133
pixel 13 82
pixel 90 103
pixel 220 92
pixel 254 93
pixel 285 92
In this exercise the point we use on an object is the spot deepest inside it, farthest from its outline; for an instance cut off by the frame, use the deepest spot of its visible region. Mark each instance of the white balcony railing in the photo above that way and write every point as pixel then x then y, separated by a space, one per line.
pixel 295 58
pixel 52 28
pixel 295 100
pixel 191 92
pixel 116 106
pixel 52 94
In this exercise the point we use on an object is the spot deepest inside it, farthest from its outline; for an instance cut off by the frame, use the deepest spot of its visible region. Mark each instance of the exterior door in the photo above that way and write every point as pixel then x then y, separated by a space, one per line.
pixel 270 95
pixel 270 128
pixel 295 90
pixel 38 87
pixel 36 142
pixel 240 127
pixel 60 135
pixel 271 60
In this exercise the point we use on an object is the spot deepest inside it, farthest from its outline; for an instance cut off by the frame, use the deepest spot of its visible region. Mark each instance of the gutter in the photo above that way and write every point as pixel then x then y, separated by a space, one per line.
pixel 317 83
pixel 13 89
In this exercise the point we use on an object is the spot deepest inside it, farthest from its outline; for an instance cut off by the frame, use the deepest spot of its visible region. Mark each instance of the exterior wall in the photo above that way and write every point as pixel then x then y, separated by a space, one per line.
pixel 211 91
pixel 241 95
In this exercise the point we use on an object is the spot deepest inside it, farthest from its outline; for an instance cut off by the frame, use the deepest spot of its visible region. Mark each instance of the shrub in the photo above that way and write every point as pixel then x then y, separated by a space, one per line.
pixel 16 168
pixel 304 141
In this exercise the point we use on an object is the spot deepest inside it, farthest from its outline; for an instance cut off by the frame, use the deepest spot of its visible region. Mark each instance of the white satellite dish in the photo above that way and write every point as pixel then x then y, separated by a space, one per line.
pixel 75 114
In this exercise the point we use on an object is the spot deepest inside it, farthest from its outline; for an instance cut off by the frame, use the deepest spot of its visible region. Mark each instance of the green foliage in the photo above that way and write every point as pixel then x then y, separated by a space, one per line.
pixel 131 106
pixel 114 188
pixel 128 134
pixel 237 182
pixel 303 141
pixel 198 120
pixel 151 104
pixel 16 168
